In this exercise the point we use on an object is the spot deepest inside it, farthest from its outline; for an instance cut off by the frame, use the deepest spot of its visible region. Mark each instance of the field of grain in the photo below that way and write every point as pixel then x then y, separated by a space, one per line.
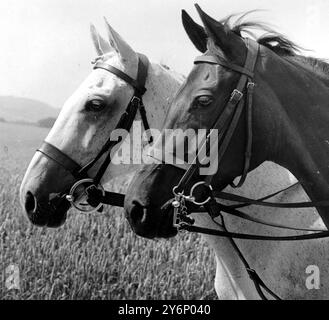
pixel 92 256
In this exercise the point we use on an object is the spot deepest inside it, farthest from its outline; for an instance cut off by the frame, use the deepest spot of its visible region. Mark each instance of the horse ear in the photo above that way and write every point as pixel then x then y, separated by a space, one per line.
pixel 95 38
pixel 231 44
pixel 119 45
pixel 100 44
pixel 195 32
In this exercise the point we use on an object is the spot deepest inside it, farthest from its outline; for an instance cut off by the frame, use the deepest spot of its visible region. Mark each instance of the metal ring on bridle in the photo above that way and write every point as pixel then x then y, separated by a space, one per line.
pixel 175 193
pixel 193 198
pixel 72 199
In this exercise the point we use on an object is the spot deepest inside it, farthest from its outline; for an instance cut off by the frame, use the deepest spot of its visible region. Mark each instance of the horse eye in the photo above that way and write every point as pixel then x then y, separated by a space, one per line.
pixel 95 105
pixel 204 101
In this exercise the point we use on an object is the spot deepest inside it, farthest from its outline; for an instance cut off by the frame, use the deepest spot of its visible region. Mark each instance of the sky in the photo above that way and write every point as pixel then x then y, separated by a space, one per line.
pixel 46 47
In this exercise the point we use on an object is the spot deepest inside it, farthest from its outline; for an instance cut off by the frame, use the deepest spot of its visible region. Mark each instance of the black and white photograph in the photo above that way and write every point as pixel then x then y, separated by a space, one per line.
pixel 168 152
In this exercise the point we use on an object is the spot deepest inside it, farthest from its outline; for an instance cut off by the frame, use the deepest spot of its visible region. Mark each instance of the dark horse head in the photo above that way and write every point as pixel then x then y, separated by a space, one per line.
pixel 284 129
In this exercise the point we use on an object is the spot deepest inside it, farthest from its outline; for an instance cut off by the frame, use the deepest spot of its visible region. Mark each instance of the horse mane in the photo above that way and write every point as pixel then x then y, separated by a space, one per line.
pixel 272 40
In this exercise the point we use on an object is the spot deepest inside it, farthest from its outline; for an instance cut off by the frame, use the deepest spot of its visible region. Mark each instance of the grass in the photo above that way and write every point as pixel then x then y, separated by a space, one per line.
pixel 91 256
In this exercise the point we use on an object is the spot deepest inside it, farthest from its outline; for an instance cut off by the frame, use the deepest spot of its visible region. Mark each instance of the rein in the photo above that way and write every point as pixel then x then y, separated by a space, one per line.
pixel 227 122
pixel 96 195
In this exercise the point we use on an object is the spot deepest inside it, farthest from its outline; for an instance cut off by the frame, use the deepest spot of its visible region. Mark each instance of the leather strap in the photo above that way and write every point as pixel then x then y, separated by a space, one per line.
pixel 233 197
pixel 96 196
pixel 256 279
pixel 227 121
pixel 235 235
pixel 125 122
pixel 215 60
pixel 129 115
pixel 237 213
pixel 235 206
pixel 134 83
pixel 139 83
pixel 143 66
pixel 250 91
pixel 61 158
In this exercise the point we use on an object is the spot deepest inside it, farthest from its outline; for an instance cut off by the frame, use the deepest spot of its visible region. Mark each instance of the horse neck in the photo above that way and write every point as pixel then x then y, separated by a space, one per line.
pixel 161 84
pixel 300 140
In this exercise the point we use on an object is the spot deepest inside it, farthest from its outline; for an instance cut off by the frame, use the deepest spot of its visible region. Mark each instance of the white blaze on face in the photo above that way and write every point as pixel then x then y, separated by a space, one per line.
pixel 88 136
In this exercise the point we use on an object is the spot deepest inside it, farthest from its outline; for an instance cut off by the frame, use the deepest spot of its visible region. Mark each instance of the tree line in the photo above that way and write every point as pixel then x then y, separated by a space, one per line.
pixel 44 123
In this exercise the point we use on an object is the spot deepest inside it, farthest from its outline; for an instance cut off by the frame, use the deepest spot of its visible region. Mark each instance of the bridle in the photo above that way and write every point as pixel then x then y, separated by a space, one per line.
pixel 94 192
pixel 226 123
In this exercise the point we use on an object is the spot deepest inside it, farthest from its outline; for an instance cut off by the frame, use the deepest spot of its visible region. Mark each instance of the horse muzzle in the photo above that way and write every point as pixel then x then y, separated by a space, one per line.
pixel 42 213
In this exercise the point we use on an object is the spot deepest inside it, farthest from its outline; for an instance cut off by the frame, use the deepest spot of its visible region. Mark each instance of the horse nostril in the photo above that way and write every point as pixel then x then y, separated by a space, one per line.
pixel 138 213
pixel 30 202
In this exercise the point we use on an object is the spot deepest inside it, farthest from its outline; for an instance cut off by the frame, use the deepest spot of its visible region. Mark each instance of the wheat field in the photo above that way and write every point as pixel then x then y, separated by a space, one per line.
pixel 91 256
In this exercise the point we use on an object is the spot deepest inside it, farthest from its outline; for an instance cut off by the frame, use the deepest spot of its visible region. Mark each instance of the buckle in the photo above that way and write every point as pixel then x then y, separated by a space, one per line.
pixel 252 274
pixel 176 216
pixel 251 85
pixel 236 96
pixel 180 215
pixel 136 100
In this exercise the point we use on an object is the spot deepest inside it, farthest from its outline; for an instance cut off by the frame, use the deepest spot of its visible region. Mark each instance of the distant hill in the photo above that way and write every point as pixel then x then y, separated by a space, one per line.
pixel 24 109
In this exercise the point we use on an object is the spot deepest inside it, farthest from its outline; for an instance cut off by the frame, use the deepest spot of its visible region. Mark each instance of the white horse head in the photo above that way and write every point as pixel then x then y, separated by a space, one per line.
pixel 86 121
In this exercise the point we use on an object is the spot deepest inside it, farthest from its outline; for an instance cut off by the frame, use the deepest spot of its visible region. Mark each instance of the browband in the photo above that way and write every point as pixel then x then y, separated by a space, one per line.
pixel 216 60
pixel 139 83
